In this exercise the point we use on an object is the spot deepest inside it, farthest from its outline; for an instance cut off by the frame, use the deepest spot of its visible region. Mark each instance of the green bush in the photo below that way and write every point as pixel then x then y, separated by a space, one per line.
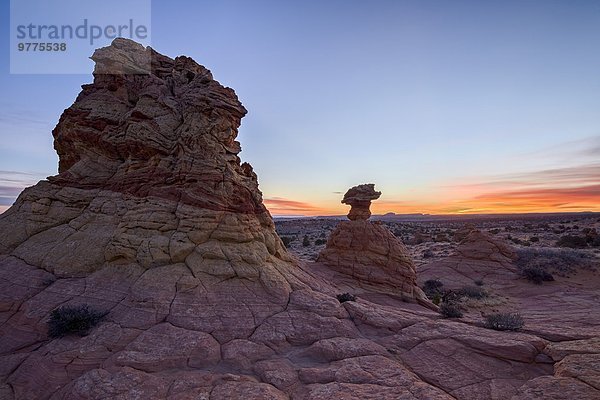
pixel 504 322
pixel 69 320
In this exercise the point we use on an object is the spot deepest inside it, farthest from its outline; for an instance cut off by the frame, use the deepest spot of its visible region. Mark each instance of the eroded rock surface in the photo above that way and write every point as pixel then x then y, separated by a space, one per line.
pixel 154 220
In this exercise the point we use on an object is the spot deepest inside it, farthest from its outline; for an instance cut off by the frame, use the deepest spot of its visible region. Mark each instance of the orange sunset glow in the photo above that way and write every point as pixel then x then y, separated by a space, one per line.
pixel 570 189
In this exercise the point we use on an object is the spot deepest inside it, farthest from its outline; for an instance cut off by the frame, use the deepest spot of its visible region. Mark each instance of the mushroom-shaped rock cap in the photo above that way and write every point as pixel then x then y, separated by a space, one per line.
pixel 359 198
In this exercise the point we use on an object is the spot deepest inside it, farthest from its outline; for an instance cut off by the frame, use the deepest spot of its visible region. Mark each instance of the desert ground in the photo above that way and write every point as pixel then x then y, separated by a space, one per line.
pixel 431 238
pixel 149 268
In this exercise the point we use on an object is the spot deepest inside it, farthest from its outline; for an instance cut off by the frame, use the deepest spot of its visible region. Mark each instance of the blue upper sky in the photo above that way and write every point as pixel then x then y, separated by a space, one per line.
pixel 415 96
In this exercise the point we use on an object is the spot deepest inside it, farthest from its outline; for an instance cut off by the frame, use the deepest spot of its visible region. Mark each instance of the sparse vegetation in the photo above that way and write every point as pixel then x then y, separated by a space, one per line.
pixel 319 242
pixel 450 310
pixel 536 275
pixel 571 241
pixel 48 281
pixel 344 297
pixel 305 241
pixel 428 253
pixel 433 287
pixel 73 320
pixel 287 240
pixel 473 292
pixel 478 282
pixel 504 321
pixel 538 265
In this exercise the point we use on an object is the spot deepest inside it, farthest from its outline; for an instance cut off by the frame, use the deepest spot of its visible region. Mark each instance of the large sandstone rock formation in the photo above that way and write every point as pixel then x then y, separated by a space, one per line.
pixel 478 245
pixel 478 256
pixel 153 221
pixel 369 252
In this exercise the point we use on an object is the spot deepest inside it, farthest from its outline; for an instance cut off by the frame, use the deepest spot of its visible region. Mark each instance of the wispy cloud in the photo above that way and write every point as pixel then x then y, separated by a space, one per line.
pixel 580 175
pixel 13 182
pixel 282 206
pixel 572 188
pixel 19 116
pixel 586 147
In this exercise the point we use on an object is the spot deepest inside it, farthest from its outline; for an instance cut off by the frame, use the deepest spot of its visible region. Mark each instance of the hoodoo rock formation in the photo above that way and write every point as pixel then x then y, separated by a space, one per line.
pixel 369 252
pixel 155 227
pixel 359 199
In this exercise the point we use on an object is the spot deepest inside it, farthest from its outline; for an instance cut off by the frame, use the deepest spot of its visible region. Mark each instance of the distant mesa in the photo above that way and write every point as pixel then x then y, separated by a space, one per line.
pixel 359 199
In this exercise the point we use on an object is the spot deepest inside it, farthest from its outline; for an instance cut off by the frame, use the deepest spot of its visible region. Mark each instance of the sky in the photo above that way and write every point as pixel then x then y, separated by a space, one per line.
pixel 447 106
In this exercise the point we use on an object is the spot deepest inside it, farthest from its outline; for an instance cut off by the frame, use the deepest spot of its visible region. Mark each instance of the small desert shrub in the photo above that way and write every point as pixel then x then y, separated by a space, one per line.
pixel 473 292
pixel 69 320
pixel 516 240
pixel 536 275
pixel 287 240
pixel 534 239
pixel 428 254
pixel 504 321
pixel 574 242
pixel 306 241
pixel 319 242
pixel 344 297
pixel 433 287
pixel 478 282
pixel 48 281
pixel 450 310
